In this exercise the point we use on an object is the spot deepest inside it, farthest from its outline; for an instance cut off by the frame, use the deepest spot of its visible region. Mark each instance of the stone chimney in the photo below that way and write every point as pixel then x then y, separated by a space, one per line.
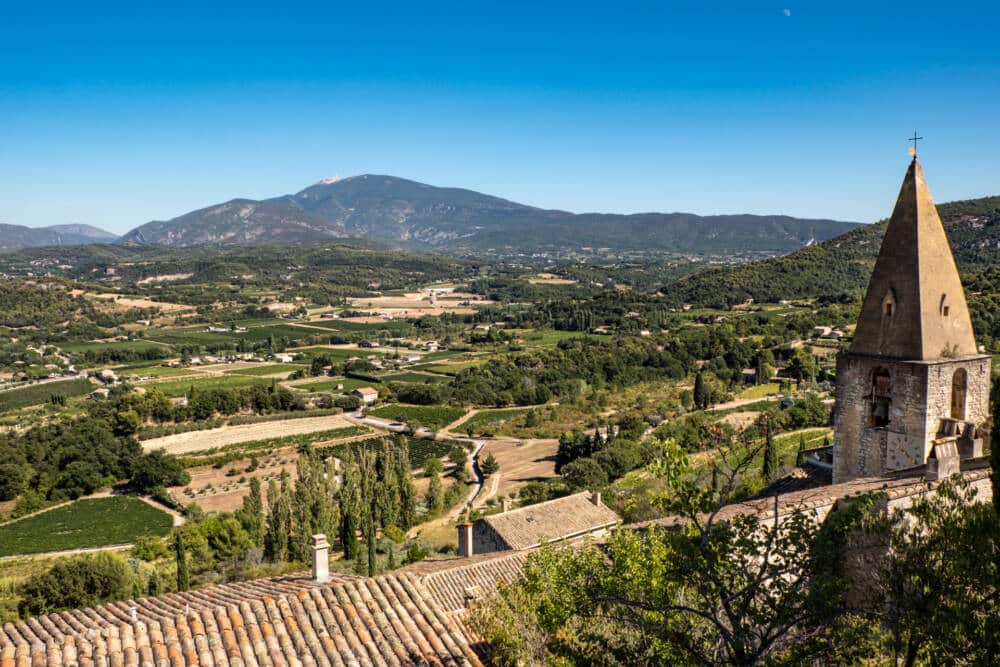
pixel 321 559
pixel 505 504
pixel 595 497
pixel 465 539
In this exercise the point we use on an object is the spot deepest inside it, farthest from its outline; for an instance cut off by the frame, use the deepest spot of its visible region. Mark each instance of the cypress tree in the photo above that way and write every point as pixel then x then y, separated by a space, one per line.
pixel 305 505
pixel 350 500
pixel 386 492
pixel 702 394
pixel 252 513
pixel 183 576
pixel 404 487
pixel 770 470
pixel 369 487
pixel 279 520
pixel 153 585
pixel 434 499
pixel 800 458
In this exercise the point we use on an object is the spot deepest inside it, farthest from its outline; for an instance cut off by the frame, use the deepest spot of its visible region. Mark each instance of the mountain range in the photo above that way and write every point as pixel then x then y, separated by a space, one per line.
pixel 422 217
pixel 839 268
pixel 14 237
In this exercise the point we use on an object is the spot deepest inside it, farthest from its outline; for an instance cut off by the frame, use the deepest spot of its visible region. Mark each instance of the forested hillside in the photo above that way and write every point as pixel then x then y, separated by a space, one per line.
pixel 841 266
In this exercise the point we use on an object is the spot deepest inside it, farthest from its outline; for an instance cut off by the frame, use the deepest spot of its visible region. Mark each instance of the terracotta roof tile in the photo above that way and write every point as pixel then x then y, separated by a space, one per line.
pixel 351 621
pixel 562 518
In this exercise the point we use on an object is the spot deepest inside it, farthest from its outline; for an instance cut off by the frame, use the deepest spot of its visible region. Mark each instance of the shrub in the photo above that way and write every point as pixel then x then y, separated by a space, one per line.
pixel 84 581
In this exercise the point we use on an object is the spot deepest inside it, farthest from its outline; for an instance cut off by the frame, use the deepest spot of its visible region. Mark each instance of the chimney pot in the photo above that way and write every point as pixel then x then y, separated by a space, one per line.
pixel 465 539
pixel 321 559
pixel 595 497
pixel 505 504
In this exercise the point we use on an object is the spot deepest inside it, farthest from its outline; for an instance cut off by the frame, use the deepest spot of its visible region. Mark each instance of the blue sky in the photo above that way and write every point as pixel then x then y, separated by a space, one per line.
pixel 118 113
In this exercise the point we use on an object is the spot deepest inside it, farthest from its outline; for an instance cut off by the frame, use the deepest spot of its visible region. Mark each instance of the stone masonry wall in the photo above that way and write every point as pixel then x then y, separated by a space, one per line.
pixel 860 450
pixel 939 385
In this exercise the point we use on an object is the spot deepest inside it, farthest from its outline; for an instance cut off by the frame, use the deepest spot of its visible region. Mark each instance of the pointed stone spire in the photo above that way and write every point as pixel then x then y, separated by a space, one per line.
pixel 915 306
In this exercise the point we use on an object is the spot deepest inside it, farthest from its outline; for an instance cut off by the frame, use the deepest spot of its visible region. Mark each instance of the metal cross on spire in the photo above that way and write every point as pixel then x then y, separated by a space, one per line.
pixel 914 139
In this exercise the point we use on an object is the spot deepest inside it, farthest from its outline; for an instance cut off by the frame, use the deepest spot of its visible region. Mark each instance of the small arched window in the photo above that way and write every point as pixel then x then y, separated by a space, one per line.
pixel 945 308
pixel 888 304
pixel 959 388
pixel 881 397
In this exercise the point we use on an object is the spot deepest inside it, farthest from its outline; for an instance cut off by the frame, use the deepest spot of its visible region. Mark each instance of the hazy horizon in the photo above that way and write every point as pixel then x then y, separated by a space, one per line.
pixel 120 115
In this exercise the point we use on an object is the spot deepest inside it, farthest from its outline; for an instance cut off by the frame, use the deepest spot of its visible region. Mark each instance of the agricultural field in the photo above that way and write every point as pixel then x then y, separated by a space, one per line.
pixel 760 391
pixel 520 463
pixel 267 369
pixel 549 337
pixel 335 353
pixel 39 393
pixel 486 422
pixel 217 439
pixel 421 449
pixel 91 522
pixel 177 388
pixel 450 368
pixel 415 378
pixel 431 416
pixel 154 371
pixel 99 346
pixel 330 384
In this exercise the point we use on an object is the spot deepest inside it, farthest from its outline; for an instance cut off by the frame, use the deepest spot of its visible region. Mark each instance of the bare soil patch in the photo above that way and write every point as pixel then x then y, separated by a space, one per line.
pixel 196 441
pixel 740 420
pixel 519 464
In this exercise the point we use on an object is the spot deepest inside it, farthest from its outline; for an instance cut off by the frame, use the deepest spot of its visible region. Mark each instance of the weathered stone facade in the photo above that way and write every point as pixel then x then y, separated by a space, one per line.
pixel 913 390
pixel 920 396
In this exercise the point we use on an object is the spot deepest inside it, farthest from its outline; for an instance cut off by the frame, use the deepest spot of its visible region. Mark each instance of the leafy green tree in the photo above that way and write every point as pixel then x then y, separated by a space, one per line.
pixel 803 365
pixel 706 591
pixel 940 579
pixel 158 469
pixel 585 473
pixel 12 480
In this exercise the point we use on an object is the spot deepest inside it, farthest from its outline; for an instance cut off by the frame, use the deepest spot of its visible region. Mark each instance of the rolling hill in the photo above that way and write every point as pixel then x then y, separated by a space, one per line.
pixel 457 221
pixel 14 237
pixel 840 267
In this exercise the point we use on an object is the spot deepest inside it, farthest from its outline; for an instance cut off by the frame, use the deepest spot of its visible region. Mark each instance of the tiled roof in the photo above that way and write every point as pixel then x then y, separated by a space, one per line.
pixel 823 496
pixel 387 620
pixel 454 582
pixel 527 527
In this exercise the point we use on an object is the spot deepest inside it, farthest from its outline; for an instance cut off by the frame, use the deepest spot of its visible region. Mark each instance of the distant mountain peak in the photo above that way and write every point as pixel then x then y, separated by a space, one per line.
pixel 395 210
pixel 13 237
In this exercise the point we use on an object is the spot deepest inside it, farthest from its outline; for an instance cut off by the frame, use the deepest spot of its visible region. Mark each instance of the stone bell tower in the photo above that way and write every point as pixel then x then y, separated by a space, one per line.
pixel 913 387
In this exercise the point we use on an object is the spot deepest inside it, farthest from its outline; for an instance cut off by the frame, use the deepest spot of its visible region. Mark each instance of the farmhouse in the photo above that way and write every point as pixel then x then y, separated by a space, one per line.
pixel 368 395
pixel 283 358
pixel 570 518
